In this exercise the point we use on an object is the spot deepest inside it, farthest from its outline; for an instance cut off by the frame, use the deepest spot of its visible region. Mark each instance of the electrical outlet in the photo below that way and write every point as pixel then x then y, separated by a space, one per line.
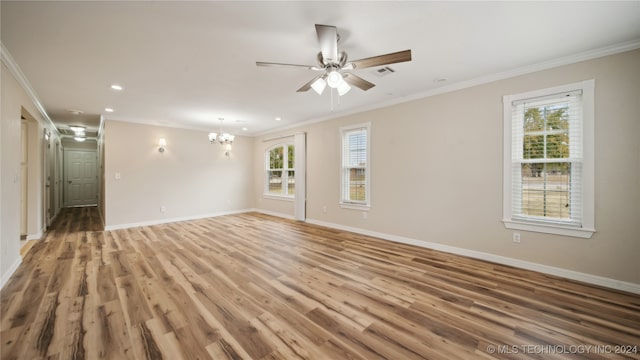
pixel 324 209
pixel 516 238
pixel 118 176
pixel 163 209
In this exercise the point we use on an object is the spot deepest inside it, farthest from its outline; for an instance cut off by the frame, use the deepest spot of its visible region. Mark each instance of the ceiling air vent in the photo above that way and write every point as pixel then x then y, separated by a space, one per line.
pixel 384 71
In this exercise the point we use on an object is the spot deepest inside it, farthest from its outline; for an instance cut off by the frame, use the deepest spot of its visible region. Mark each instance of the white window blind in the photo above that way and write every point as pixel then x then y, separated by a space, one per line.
pixel 549 160
pixel 355 165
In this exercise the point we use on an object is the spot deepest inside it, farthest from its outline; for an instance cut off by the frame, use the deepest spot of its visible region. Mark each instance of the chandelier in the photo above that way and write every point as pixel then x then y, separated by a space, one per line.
pixel 222 138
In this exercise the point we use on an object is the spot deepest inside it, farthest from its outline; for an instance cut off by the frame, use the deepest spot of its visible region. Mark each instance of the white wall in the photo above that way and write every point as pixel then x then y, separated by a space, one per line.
pixel 437 172
pixel 15 103
pixel 192 178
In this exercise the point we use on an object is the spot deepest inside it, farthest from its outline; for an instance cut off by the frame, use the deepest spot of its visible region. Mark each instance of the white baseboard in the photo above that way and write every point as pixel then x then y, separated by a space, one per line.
pixel 36 236
pixel 176 219
pixel 6 276
pixel 546 269
pixel 273 213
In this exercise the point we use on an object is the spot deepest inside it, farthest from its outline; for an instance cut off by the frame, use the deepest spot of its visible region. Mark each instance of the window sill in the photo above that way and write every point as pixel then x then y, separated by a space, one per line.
pixel 556 229
pixel 279 197
pixel 361 207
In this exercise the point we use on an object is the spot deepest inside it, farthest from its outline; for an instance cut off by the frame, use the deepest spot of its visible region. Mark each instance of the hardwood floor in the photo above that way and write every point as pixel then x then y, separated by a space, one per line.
pixel 251 286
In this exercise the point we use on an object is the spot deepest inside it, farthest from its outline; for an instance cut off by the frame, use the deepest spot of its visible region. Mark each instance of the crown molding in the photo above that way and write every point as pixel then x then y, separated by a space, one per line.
pixel 17 73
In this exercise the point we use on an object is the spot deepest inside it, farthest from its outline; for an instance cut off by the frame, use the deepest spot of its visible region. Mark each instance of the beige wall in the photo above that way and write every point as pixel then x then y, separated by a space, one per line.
pixel 11 99
pixel 436 171
pixel 192 178
pixel 15 103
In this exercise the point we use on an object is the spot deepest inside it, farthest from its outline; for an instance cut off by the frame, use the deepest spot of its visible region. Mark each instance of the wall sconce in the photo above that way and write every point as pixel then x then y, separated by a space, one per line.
pixel 163 143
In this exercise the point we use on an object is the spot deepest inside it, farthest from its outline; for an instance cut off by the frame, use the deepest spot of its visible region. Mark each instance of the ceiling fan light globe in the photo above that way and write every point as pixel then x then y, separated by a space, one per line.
pixel 343 88
pixel 334 78
pixel 319 85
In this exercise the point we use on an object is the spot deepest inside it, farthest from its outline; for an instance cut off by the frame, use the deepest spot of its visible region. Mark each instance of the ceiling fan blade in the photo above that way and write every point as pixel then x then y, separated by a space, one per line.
pixel 396 57
pixel 328 40
pixel 269 64
pixel 307 86
pixel 357 81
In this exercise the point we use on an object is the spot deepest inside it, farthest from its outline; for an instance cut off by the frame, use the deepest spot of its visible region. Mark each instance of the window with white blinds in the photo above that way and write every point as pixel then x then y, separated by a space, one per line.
pixel 549 160
pixel 355 179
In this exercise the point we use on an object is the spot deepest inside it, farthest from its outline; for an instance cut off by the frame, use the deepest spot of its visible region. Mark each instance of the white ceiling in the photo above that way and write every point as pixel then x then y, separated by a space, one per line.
pixel 186 64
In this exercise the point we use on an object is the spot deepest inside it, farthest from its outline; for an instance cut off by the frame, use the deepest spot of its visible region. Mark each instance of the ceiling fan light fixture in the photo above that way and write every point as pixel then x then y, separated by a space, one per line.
pixel 343 88
pixel 319 85
pixel 334 78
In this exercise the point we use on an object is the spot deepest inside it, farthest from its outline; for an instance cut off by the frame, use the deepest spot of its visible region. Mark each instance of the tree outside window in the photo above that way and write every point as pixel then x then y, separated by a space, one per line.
pixel 280 170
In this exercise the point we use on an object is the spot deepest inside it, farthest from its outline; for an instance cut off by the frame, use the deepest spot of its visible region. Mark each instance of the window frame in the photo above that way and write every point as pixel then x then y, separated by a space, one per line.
pixel 347 203
pixel 586 228
pixel 285 172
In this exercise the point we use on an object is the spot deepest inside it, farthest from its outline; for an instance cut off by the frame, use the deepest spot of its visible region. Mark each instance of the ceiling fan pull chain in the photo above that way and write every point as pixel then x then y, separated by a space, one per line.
pixel 331 92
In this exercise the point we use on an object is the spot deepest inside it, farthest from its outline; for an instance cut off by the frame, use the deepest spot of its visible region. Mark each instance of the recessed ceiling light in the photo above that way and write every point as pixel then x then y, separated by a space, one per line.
pixel 245 129
pixel 80 139
pixel 76 128
pixel 108 109
pixel 116 87
pixel 278 119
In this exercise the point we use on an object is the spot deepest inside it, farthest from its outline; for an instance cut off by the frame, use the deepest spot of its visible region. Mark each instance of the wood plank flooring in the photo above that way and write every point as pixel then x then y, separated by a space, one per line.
pixel 251 286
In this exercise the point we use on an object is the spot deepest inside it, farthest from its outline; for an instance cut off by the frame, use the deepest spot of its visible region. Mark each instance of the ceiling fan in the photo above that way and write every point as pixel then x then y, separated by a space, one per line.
pixel 334 66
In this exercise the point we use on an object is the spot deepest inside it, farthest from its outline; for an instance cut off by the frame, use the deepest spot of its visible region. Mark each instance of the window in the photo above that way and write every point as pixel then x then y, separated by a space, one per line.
pixel 548 163
pixel 280 161
pixel 355 184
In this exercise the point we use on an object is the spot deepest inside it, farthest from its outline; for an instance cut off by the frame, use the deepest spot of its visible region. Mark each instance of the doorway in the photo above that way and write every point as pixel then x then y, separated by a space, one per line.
pixel 80 177
pixel 24 156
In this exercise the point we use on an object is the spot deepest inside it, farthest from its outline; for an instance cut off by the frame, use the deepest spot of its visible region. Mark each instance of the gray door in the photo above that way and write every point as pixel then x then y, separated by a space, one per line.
pixel 81 181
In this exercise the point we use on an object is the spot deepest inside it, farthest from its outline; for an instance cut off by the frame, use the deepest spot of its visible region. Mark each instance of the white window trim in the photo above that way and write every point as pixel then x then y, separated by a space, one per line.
pixel 588 186
pixel 267 194
pixel 365 206
pixel 279 197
